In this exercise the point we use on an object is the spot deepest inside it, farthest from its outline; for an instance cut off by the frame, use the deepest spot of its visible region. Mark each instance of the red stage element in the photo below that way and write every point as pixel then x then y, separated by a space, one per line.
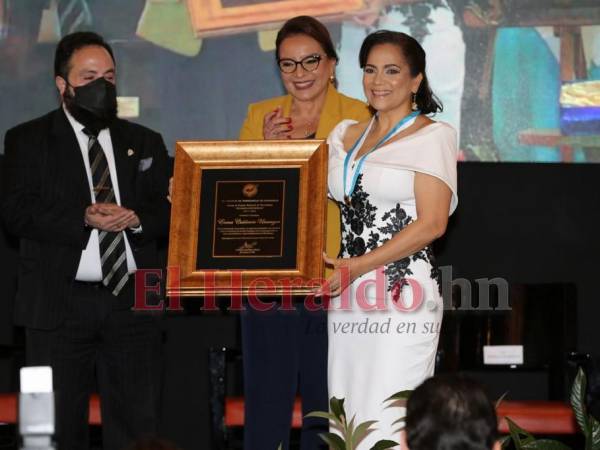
pixel 234 412
pixel 537 417
pixel 9 407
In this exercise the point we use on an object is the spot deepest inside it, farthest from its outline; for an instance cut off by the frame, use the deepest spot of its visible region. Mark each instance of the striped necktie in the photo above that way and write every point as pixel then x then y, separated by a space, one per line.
pixel 112 245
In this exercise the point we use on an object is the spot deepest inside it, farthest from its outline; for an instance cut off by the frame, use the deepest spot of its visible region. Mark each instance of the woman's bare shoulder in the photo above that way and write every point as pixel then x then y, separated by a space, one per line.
pixel 426 120
pixel 353 133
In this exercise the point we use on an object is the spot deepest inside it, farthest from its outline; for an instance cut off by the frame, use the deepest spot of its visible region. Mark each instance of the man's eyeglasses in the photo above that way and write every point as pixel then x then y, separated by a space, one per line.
pixel 309 63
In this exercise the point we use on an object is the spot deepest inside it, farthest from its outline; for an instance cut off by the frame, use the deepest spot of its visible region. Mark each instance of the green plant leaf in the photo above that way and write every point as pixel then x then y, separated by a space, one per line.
pixel 383 444
pixel 516 433
pixel 402 395
pixel 333 440
pixel 501 399
pixel 504 441
pixel 578 405
pixel 516 439
pixel 351 423
pixel 400 420
pixel 595 433
pixel 546 444
pixel 322 415
pixel 517 429
pixel 361 431
pixel 528 440
pixel 280 446
pixel 349 431
pixel 337 407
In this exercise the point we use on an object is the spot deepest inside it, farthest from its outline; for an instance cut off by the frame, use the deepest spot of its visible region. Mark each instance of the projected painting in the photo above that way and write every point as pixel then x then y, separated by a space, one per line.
pixel 213 17
pixel 520 80
pixel 498 68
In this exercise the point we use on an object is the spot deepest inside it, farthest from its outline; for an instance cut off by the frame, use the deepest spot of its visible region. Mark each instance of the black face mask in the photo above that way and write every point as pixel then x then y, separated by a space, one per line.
pixel 94 105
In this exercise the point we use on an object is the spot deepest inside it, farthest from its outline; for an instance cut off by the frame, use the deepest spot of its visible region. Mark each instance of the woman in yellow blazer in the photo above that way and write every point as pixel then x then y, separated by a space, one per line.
pixel 285 352
pixel 335 108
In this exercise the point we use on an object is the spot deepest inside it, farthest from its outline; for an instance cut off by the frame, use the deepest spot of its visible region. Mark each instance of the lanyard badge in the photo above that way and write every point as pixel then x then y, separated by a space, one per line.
pixel 400 126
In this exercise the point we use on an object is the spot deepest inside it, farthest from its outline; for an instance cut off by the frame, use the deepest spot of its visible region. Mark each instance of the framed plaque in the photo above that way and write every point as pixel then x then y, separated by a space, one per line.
pixel 248 217
pixel 217 17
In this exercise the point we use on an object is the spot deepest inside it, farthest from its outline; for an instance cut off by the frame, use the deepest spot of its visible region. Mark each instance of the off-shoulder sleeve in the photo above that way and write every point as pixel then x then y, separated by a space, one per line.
pixel 439 159
pixel 335 143
pixel 433 152
pixel 336 158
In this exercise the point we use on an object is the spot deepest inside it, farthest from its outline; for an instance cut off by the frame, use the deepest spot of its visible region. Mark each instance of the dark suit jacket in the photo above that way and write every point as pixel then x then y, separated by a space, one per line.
pixel 46 193
pixel 9 258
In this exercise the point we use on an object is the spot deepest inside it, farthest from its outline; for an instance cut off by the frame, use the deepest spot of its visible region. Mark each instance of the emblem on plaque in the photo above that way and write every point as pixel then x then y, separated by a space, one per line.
pixel 250 190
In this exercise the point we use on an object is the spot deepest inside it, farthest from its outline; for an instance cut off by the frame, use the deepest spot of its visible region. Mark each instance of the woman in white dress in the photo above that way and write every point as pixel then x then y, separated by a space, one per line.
pixel 395 180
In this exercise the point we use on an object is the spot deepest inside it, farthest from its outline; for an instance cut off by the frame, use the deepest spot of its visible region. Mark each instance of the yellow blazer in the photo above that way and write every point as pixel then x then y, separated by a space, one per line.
pixel 337 107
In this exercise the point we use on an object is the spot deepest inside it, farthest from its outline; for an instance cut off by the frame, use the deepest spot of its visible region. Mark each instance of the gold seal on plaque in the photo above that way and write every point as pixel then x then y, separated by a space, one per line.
pixel 250 190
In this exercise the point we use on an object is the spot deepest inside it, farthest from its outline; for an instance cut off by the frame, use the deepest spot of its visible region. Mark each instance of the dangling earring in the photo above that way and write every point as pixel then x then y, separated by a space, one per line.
pixel 414 105
pixel 332 79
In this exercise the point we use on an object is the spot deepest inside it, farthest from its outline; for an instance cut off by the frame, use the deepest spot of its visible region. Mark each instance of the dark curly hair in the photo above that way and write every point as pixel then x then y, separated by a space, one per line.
pixel 450 412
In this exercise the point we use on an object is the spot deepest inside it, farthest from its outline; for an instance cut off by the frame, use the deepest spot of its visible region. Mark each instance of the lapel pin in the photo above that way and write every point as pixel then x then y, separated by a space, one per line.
pixel 130 152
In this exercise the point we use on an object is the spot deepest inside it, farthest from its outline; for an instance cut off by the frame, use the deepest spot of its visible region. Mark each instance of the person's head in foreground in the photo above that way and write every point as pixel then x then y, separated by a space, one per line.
pixel 450 412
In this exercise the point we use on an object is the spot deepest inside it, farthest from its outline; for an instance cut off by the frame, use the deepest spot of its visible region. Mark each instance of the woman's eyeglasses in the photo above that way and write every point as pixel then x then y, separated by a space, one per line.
pixel 309 63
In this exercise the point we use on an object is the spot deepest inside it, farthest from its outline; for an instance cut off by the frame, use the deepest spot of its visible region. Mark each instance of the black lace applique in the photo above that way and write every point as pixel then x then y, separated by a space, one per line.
pixel 373 241
pixel 357 216
pixel 397 219
pixel 360 215
pixel 436 274
pixel 397 271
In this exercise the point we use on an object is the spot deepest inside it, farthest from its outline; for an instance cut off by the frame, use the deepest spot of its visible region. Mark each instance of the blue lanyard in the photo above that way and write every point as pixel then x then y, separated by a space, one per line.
pixel 403 124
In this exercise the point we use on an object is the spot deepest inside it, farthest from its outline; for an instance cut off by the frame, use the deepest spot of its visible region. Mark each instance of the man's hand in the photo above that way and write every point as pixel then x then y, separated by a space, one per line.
pixel 110 217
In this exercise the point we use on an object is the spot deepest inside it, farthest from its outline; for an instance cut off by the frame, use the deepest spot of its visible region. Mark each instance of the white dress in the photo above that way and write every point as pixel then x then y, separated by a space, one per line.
pixel 376 353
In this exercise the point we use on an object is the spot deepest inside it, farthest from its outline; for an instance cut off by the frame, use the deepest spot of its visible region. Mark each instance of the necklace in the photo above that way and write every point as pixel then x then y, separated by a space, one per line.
pixel 305 124
pixel 310 127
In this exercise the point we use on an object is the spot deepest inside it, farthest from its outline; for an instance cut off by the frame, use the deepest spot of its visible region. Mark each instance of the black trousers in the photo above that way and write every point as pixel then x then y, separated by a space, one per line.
pixel 101 341
pixel 284 355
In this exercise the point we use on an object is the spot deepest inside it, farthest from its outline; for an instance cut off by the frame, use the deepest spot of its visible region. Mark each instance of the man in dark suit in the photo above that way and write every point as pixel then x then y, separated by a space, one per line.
pixel 86 194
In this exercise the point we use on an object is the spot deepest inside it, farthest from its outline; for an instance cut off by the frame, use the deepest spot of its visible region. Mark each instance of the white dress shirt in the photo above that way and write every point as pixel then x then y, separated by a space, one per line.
pixel 90 267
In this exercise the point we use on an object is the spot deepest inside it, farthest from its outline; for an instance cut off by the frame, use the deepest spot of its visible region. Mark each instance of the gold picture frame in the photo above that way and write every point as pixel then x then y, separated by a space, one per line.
pixel 218 17
pixel 229 195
